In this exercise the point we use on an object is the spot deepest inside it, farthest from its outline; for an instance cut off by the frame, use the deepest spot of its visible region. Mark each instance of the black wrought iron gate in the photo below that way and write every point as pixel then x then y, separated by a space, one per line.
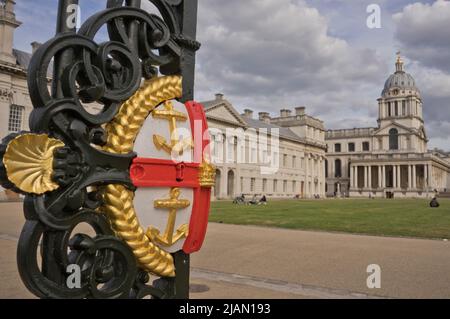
pixel 140 45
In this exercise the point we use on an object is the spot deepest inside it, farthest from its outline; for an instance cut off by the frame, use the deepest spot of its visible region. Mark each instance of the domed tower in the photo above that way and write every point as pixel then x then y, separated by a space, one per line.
pixel 401 111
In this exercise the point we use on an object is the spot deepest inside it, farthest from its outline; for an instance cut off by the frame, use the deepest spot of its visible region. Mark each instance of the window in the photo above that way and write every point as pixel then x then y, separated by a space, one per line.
pixel 276 159
pixel 15 118
pixel 285 187
pixel 366 146
pixel 285 160
pixel 393 139
pixel 396 108
pixel 326 168
pixel 389 109
pixel 404 108
pixel 275 186
pixel 338 168
pixel 265 157
pixel 218 147
pixel 264 188
pixel 231 142
pixel 253 156
pixel 252 185
pixel 351 147
pixel 337 148
pixel 294 162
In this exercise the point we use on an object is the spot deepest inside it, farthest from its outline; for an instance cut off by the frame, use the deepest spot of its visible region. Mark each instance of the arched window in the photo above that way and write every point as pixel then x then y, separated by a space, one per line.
pixel 393 139
pixel 338 168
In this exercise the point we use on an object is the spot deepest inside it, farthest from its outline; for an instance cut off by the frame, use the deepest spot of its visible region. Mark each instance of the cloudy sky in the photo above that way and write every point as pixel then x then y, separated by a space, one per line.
pixel 272 54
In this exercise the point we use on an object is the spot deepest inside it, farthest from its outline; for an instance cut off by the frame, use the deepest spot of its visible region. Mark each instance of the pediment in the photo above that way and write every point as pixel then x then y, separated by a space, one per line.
pixel 226 113
pixel 401 129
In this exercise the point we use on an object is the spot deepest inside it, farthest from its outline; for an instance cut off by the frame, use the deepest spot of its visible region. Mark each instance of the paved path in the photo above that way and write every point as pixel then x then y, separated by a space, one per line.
pixel 254 262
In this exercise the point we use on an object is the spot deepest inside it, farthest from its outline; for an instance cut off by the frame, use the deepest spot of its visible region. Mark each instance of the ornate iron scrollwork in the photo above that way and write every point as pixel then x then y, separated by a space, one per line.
pixel 141 45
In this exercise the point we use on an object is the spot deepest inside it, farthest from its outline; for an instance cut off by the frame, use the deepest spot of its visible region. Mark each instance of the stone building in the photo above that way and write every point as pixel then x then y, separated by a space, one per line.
pixel 392 159
pixel 292 164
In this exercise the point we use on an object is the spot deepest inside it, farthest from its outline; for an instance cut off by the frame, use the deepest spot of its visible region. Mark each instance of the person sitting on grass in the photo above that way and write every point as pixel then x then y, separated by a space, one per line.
pixel 239 200
pixel 434 203
pixel 254 200
pixel 263 200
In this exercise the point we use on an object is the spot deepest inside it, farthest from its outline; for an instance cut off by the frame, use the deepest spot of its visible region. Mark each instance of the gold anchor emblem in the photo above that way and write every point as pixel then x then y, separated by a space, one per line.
pixel 176 146
pixel 173 204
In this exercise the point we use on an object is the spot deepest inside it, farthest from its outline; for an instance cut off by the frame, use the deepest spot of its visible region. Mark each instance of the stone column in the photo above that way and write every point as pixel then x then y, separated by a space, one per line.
pixel 366 177
pixel 383 176
pixel 224 184
pixel 409 177
pixel 380 178
pixel 351 176
pixel 399 176
pixel 369 168
pixel 224 149
pixel 395 175
pixel 430 175
pixel 414 177
pixel 356 177
pixel 425 170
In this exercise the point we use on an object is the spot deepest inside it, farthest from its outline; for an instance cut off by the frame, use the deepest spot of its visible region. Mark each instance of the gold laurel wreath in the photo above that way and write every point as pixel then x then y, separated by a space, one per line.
pixel 122 133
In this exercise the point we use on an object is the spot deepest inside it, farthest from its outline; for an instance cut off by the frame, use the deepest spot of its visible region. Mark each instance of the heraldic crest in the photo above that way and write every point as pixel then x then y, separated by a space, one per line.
pixel 122 192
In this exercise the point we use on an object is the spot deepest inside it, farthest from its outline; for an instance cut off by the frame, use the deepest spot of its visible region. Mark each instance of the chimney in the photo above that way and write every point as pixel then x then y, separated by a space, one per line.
pixel 264 117
pixel 248 114
pixel 219 97
pixel 285 113
pixel 34 46
pixel 300 111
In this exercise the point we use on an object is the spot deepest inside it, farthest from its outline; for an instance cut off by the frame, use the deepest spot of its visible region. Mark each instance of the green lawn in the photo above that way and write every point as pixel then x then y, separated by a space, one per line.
pixel 409 218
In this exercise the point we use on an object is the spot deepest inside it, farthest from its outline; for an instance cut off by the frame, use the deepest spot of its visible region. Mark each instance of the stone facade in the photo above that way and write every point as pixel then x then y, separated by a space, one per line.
pixel 392 159
pixel 295 146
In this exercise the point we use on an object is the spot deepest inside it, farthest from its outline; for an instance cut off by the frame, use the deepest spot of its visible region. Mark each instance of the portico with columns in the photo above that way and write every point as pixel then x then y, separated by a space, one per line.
pixel 410 178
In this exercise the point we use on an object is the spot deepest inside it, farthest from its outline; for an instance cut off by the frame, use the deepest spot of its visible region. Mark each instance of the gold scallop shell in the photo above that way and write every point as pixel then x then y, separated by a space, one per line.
pixel 29 163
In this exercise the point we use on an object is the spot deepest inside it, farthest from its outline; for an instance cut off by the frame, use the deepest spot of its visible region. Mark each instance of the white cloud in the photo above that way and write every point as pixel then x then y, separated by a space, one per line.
pixel 423 30
pixel 269 54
